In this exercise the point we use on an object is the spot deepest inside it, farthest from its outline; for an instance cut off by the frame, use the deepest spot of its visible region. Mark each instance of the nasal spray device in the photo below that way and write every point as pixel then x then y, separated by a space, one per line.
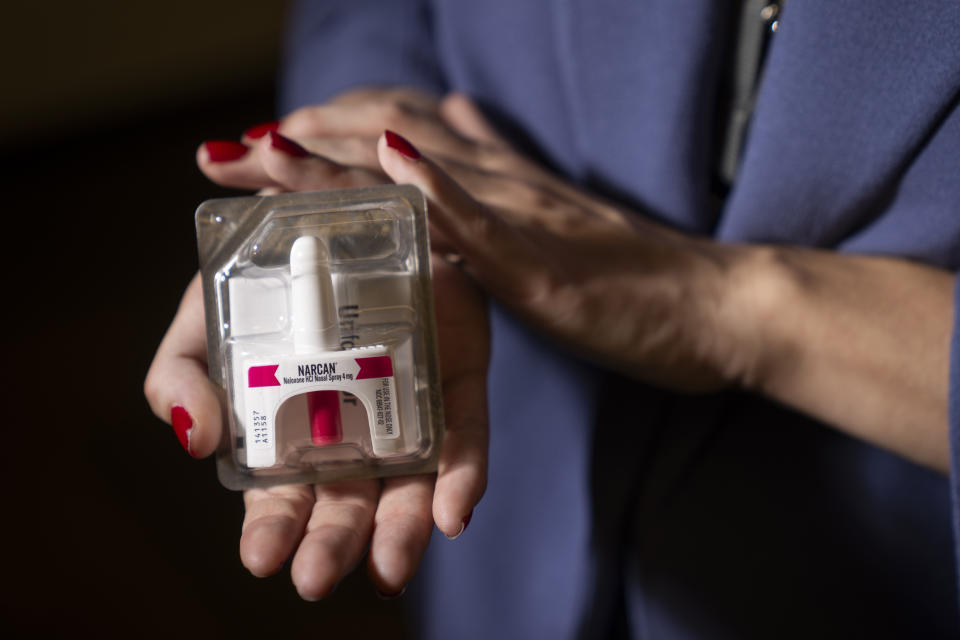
pixel 320 329
pixel 315 329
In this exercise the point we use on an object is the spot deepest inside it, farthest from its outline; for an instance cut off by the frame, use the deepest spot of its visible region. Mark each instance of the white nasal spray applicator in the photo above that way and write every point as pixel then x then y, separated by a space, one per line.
pixel 315 329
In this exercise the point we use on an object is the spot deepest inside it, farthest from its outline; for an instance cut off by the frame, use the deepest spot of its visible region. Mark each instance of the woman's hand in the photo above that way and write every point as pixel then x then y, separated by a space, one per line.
pixel 327 528
pixel 342 131
pixel 621 291
pixel 550 236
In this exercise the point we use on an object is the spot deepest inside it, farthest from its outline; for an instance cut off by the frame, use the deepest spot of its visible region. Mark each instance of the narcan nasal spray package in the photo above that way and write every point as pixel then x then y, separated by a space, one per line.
pixel 320 329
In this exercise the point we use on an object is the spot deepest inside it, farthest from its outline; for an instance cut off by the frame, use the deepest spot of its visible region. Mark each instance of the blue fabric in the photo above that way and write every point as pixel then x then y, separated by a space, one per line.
pixel 614 508
pixel 335 45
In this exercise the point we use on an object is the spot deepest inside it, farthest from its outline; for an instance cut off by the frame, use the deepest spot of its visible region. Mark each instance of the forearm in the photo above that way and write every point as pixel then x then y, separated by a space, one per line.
pixel 861 343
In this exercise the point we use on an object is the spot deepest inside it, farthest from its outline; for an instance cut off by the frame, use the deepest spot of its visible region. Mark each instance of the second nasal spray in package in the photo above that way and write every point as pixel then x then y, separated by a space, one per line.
pixel 320 329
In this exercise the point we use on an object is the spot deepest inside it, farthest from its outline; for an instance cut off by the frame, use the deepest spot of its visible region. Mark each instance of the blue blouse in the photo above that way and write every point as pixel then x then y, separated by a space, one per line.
pixel 614 508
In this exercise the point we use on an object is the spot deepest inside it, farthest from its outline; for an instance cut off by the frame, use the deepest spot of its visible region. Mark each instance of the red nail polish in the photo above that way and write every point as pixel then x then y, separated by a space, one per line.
pixel 182 425
pixel 225 150
pixel 402 145
pixel 287 146
pixel 259 130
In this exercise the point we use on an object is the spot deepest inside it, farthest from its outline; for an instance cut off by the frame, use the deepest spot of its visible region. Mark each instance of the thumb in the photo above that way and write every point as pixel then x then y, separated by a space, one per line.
pixel 177 386
pixel 495 254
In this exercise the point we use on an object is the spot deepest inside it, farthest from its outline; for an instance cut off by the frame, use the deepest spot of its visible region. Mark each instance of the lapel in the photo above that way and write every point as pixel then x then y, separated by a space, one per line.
pixel 851 93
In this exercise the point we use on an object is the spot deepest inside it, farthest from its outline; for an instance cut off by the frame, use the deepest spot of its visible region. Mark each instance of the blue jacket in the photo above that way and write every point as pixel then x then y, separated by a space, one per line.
pixel 613 507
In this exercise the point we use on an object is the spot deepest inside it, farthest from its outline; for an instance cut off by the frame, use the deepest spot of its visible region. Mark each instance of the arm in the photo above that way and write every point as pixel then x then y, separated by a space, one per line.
pixel 858 342
pixel 861 343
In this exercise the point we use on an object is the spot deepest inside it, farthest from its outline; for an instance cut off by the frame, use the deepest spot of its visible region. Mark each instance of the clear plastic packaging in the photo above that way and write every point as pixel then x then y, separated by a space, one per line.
pixel 320 329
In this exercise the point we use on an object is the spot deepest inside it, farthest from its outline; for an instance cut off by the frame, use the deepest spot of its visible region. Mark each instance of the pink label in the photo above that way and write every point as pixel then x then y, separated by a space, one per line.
pixel 375 367
pixel 263 376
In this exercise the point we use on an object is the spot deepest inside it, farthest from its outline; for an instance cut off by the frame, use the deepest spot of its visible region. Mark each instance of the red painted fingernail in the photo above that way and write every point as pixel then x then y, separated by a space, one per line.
pixel 182 425
pixel 287 146
pixel 225 150
pixel 402 145
pixel 262 129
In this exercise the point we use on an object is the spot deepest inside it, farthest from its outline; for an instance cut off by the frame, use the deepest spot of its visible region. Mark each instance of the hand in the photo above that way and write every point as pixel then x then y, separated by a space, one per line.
pixel 620 290
pixel 343 131
pixel 327 528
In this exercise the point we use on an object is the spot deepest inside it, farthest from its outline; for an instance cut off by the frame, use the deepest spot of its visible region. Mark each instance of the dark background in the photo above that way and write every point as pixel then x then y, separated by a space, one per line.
pixel 108 526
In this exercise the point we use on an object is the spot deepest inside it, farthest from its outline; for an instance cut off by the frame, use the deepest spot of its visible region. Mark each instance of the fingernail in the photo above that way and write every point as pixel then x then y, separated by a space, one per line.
pixel 259 130
pixel 287 146
pixel 463 526
pixel 225 150
pixel 182 425
pixel 401 145
pixel 387 596
pixel 323 597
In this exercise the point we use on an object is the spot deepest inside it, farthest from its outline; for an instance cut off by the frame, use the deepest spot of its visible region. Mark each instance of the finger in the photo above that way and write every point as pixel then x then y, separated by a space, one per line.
pixel 337 535
pixel 177 386
pixel 465 117
pixel 494 152
pixel 353 151
pixel 462 469
pixel 354 118
pixel 413 97
pixel 368 119
pixel 232 164
pixel 257 131
pixel 294 168
pixel 402 528
pixel 498 256
pixel 509 192
pixel 273 524
pixel 463 332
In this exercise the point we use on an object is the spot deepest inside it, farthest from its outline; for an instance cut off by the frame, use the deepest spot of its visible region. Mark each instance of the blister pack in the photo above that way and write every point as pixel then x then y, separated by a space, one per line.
pixel 320 330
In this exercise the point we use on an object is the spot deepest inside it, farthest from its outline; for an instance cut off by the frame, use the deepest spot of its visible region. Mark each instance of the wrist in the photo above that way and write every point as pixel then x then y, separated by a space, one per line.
pixel 755 290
